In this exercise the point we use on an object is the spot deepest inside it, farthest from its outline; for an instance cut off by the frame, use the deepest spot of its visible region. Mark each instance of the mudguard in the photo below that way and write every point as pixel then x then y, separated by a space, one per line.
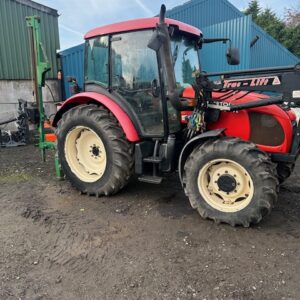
pixel 96 98
pixel 189 146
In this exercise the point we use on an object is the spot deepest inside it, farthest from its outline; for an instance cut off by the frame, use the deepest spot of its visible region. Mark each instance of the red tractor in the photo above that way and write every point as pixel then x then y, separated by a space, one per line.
pixel 149 109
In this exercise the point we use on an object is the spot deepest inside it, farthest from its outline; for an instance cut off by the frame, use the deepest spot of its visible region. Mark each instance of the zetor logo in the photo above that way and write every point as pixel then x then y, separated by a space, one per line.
pixel 259 81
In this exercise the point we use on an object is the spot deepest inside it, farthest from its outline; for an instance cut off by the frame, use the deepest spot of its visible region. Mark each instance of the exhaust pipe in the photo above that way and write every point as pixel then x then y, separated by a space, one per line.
pixel 161 43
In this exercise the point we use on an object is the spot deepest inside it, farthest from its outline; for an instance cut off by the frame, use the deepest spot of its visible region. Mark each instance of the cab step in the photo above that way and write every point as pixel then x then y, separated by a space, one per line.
pixel 150 179
pixel 152 159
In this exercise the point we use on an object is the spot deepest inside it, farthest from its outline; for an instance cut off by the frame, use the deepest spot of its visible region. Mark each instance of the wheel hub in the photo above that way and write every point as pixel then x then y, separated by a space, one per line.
pixel 85 153
pixel 227 183
pixel 95 150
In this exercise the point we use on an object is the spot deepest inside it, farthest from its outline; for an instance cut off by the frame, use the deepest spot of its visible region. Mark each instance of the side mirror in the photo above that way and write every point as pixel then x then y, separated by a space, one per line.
pixel 233 56
pixel 156 40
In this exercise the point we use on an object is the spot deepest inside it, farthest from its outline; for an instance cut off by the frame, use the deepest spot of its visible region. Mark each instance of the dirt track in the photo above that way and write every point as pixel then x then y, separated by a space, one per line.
pixel 144 243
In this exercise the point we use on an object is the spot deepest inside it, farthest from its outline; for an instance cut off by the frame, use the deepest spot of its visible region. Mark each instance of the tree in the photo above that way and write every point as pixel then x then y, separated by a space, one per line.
pixel 286 31
pixel 268 20
pixel 253 9
pixel 292 17
pixel 292 39
pixel 292 30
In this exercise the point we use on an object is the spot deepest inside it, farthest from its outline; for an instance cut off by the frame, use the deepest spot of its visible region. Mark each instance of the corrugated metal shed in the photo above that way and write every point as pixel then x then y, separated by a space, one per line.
pixel 212 15
pixel 267 52
pixel 202 13
pixel 72 61
pixel 213 55
pixel 15 60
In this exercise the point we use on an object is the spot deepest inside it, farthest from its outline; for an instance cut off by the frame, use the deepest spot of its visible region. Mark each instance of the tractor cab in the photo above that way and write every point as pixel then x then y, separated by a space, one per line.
pixel 120 63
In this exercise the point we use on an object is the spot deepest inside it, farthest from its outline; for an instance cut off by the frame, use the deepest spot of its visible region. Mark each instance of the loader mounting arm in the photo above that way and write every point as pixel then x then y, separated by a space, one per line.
pixel 282 80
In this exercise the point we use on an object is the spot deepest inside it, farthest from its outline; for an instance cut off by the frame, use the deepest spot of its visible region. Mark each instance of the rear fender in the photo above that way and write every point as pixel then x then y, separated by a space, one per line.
pixel 96 98
pixel 190 145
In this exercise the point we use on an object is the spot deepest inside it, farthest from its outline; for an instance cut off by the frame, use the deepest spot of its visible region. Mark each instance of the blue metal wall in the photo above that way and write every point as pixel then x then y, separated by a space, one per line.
pixel 202 13
pixel 215 17
pixel 72 62
pixel 213 55
pixel 267 52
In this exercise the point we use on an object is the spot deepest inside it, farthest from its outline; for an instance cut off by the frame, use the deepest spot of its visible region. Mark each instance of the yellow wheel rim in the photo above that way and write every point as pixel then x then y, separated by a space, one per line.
pixel 225 185
pixel 85 154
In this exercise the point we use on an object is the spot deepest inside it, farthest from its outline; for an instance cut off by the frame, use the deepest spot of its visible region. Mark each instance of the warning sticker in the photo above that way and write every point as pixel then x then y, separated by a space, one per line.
pixel 276 81
pixel 296 94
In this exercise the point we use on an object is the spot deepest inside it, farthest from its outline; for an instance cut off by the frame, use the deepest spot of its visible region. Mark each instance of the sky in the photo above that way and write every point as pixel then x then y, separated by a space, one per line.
pixel 79 16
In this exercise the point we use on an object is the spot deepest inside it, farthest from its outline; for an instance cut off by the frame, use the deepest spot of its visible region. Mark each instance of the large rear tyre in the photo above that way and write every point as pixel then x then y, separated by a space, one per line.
pixel 93 150
pixel 231 181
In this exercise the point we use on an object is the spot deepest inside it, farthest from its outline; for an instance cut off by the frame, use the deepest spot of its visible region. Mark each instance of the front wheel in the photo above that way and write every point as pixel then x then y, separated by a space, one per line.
pixel 284 171
pixel 231 181
pixel 93 150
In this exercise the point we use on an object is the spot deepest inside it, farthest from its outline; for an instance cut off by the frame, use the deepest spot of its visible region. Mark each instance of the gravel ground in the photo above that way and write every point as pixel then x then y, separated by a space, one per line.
pixel 144 243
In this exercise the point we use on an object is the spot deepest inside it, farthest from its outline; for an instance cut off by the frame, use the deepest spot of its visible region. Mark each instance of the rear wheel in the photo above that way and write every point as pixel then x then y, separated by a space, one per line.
pixel 231 181
pixel 93 150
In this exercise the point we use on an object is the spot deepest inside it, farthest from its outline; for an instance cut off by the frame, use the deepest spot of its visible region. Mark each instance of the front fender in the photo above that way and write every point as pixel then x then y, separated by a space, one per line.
pixel 96 98
pixel 190 145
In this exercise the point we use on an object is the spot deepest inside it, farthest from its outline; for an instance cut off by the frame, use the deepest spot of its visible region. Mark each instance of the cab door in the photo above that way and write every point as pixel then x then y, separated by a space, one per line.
pixel 135 76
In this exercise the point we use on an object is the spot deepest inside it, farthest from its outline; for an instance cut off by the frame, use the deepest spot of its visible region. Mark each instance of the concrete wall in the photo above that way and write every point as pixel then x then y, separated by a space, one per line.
pixel 12 90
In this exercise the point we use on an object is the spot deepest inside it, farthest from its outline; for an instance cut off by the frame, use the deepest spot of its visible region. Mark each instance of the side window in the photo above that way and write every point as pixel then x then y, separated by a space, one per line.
pixel 133 63
pixel 97 60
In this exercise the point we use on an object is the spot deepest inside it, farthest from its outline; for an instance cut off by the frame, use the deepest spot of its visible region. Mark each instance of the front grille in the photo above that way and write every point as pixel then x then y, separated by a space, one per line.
pixel 265 130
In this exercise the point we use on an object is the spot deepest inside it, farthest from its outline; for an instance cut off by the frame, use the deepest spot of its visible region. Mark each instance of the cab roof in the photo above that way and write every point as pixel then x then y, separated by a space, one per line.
pixel 139 24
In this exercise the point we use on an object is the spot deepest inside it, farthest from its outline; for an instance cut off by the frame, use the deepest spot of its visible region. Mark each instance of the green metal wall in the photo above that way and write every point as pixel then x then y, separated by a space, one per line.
pixel 15 59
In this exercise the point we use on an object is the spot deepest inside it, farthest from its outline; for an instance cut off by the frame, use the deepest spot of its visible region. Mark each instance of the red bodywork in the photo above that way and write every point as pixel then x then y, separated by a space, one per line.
pixel 139 24
pixel 91 97
pixel 237 124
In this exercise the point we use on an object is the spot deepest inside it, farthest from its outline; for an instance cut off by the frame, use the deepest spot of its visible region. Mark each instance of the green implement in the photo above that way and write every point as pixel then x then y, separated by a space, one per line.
pixel 40 66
